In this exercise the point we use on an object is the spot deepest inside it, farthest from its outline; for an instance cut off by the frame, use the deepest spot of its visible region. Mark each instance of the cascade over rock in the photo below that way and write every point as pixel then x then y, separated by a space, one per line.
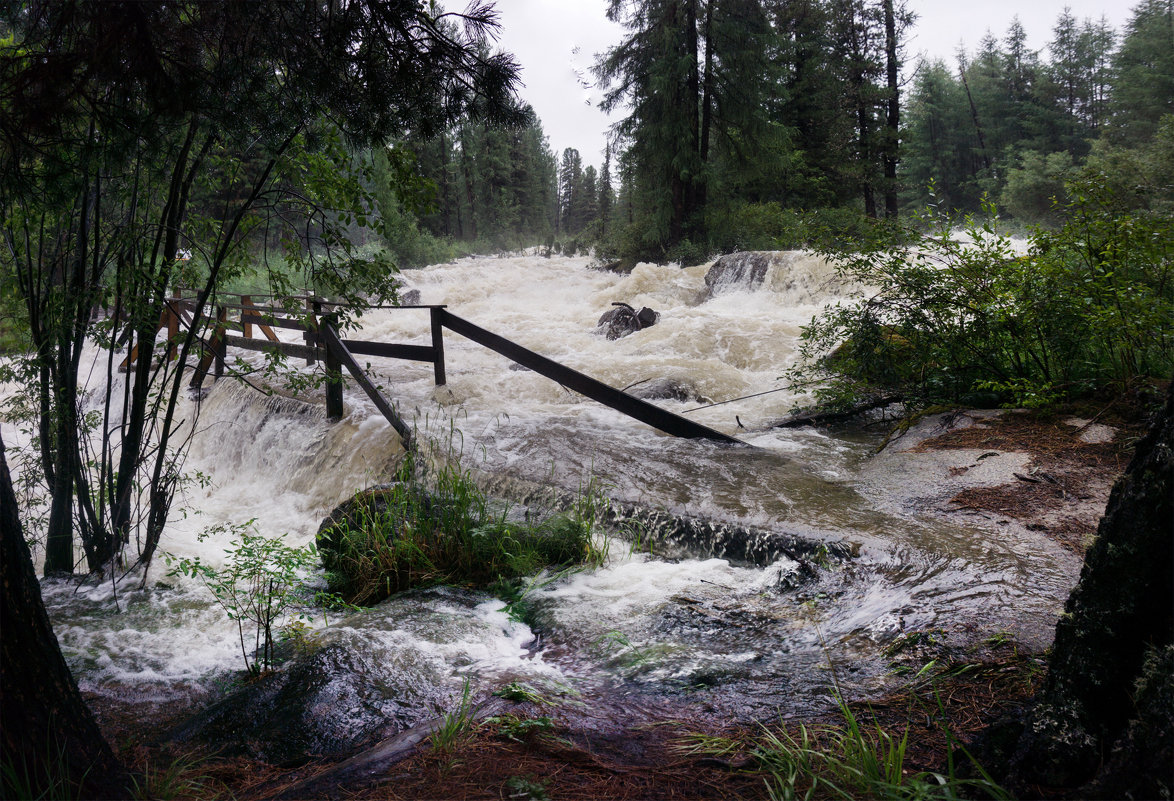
pixel 746 270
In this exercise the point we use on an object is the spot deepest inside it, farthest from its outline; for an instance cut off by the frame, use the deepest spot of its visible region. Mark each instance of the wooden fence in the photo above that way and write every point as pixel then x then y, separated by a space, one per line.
pixel 321 341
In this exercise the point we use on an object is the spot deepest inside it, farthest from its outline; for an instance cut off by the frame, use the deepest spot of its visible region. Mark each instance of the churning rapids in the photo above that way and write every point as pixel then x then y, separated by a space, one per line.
pixel 695 631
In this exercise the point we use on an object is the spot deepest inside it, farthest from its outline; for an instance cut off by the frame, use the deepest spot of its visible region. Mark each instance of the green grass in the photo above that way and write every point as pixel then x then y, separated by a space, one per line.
pixel 456 726
pixel 847 760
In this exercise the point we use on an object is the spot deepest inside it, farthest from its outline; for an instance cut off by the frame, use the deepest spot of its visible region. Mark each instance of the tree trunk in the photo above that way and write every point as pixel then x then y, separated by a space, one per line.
pixel 1109 692
pixel 706 106
pixel 893 117
pixel 50 740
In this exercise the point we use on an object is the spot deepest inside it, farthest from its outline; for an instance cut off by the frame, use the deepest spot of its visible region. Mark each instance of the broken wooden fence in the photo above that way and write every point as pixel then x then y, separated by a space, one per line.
pixel 321 341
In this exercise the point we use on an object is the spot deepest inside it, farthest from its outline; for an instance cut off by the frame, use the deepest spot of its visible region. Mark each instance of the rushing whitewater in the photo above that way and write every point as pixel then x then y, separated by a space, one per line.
pixel 641 623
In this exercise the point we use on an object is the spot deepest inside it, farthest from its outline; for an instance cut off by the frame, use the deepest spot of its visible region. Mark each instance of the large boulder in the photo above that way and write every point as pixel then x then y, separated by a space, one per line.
pixel 743 270
pixel 623 320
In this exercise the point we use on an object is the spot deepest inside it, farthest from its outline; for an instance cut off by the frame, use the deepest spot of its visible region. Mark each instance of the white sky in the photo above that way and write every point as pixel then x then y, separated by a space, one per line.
pixel 555 41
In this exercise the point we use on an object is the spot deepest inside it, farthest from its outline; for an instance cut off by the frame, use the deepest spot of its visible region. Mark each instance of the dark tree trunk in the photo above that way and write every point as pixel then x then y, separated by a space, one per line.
pixel 986 159
pixel 467 169
pixel 893 117
pixel 50 740
pixel 1108 696
pixel 706 106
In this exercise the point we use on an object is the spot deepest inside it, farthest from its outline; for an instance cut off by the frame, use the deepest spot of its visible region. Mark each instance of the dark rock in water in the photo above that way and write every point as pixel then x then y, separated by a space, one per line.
pixel 325 704
pixel 410 298
pixel 746 270
pixel 667 389
pixel 623 320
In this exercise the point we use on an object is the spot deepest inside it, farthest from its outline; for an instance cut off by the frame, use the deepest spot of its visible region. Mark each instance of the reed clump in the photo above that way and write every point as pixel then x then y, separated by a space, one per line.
pixel 442 530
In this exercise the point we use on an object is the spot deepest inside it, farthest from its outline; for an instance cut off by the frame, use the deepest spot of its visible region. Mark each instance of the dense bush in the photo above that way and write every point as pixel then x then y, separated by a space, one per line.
pixel 412 533
pixel 1088 305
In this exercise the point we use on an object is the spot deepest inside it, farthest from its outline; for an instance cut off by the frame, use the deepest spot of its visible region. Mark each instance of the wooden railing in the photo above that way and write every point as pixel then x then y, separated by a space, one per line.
pixel 321 341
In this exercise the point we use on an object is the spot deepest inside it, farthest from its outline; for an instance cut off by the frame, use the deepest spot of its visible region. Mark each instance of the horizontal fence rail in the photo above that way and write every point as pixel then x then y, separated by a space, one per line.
pixel 321 341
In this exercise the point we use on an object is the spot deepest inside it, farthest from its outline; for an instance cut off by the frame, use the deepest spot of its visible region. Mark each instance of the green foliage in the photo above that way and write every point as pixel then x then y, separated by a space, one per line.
pixel 1089 305
pixel 441 530
pixel 527 787
pixel 179 778
pixel 1143 92
pixel 520 691
pixel 1034 191
pixel 51 779
pixel 848 760
pixel 455 727
pixel 512 727
pixel 258 587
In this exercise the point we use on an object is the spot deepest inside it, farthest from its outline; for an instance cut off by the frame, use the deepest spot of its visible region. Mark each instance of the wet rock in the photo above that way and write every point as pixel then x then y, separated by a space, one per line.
pixel 745 270
pixel 623 320
pixel 325 704
pixel 410 298
pixel 667 389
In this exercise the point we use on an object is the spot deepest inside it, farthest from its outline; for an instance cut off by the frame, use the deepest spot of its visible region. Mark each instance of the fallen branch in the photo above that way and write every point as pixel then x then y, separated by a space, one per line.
pixel 815 417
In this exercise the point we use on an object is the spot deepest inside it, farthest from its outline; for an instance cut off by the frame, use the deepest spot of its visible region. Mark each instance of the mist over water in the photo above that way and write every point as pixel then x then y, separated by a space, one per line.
pixel 640 624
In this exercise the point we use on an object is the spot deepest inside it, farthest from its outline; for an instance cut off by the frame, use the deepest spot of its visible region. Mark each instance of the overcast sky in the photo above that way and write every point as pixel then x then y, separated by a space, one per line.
pixel 556 41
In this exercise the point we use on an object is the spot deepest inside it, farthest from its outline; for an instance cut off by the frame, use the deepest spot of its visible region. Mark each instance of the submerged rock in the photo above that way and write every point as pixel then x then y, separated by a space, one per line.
pixel 667 389
pixel 623 320
pixel 327 703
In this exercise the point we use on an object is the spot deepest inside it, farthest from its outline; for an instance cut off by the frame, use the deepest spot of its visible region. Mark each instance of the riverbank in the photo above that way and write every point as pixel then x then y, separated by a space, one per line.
pixel 1006 470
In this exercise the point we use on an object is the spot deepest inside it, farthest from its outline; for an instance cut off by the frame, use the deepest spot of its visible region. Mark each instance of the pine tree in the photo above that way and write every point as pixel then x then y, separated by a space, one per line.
pixel 1143 89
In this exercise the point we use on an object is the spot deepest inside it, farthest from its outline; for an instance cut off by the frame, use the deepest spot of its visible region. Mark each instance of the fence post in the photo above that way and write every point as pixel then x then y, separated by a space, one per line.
pixel 314 306
pixel 172 315
pixel 247 302
pixel 333 371
pixel 436 313
pixel 220 340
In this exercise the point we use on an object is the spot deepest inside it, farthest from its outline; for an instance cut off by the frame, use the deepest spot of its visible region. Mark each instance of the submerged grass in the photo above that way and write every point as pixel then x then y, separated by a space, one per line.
pixel 441 529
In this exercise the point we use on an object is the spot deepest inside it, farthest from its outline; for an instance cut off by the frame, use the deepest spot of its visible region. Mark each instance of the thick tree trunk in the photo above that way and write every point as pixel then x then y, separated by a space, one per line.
pixel 1109 693
pixel 50 741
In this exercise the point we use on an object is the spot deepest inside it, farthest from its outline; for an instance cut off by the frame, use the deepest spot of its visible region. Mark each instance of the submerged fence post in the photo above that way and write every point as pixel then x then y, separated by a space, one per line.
pixel 438 345
pixel 219 341
pixel 333 369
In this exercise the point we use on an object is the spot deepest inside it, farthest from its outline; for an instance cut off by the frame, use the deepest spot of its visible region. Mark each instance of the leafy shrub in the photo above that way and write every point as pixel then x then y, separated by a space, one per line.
pixel 1089 305
pixel 405 535
pixel 257 587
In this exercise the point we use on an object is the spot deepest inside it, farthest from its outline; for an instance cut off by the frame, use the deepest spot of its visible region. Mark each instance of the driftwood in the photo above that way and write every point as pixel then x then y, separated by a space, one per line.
pixel 816 417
